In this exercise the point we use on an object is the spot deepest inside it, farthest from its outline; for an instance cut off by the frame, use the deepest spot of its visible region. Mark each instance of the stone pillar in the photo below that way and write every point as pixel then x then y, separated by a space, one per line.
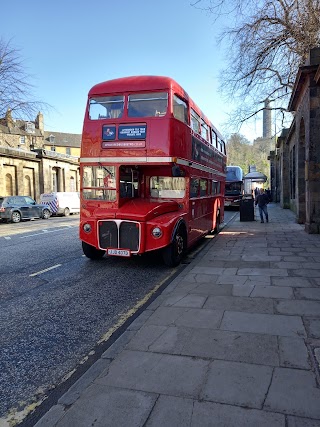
pixel 312 171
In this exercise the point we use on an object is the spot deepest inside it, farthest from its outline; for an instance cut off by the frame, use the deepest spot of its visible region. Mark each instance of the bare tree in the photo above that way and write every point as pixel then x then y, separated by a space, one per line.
pixel 15 87
pixel 268 41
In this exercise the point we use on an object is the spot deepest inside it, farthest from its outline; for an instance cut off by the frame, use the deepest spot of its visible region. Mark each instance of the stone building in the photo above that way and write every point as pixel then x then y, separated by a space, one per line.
pixel 33 161
pixel 296 160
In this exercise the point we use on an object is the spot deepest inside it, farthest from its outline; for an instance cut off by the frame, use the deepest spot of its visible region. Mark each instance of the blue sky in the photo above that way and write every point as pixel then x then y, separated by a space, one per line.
pixel 70 45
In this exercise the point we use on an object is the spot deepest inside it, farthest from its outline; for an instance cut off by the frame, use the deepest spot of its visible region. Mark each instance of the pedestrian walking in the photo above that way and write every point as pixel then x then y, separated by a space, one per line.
pixel 268 192
pixel 262 201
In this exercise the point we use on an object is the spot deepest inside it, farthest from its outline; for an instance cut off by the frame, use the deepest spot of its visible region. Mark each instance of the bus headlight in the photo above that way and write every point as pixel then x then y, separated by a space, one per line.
pixel 156 232
pixel 87 228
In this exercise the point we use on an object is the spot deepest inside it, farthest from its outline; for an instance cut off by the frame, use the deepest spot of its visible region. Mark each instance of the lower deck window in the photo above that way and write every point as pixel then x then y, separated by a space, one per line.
pixel 167 187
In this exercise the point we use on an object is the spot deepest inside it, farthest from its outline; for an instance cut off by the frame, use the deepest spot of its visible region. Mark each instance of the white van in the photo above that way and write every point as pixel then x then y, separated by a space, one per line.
pixel 62 202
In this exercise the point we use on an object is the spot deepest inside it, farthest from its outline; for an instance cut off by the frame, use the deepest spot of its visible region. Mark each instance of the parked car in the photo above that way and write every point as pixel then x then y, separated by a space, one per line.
pixel 16 208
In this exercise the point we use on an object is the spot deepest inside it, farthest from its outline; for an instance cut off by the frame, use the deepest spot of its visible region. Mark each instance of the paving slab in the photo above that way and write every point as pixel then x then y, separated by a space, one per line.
pixel 272 292
pixel 261 257
pixel 214 270
pixel 238 384
pixel 274 272
pixel 209 289
pixel 159 373
pixel 271 324
pixel 185 300
pixel 303 272
pixel 298 307
pixel 242 290
pixel 302 422
pixel 103 406
pixel 294 392
pixel 307 293
pixel 258 280
pixel 171 411
pixel 166 316
pixel 192 317
pixel 293 353
pixel 231 280
pixel 232 303
pixel 207 414
pixel 313 327
pixel 294 282
pixel 210 344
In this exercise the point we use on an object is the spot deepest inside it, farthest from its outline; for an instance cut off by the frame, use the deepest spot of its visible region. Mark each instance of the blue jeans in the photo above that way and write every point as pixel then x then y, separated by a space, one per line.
pixel 263 210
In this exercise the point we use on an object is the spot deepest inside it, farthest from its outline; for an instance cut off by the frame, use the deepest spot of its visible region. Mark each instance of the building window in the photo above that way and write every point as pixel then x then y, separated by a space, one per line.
pixel 22 140
pixel 68 150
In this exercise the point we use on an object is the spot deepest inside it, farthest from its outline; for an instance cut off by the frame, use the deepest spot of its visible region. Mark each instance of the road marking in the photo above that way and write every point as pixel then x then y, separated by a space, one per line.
pixel 43 232
pixel 45 270
pixel 7 237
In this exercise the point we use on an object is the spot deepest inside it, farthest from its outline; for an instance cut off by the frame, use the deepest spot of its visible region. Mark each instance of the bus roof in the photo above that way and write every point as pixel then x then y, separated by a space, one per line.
pixel 132 83
pixel 146 83
pixel 234 173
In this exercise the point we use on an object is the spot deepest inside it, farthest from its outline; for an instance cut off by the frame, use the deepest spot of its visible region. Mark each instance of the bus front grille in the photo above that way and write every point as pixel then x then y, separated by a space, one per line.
pixel 119 234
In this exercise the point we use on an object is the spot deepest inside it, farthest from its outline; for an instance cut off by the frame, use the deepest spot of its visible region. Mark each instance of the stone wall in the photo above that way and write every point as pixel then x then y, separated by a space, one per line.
pixel 298 149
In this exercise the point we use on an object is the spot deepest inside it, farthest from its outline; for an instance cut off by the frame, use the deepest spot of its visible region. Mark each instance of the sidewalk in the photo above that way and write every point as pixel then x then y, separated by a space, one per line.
pixel 234 340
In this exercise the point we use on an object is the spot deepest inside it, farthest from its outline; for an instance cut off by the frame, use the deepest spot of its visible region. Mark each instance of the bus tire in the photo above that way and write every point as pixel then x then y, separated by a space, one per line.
pixel 173 254
pixel 91 252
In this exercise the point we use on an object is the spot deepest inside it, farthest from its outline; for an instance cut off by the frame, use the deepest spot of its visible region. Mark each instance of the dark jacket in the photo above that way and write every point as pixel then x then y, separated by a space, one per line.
pixel 262 200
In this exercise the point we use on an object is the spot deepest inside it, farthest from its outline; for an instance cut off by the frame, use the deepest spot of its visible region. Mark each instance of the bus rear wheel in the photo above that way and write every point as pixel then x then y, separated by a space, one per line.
pixel 173 254
pixel 91 252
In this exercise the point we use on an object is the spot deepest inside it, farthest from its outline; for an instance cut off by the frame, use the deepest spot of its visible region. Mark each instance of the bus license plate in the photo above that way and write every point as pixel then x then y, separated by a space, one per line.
pixel 119 252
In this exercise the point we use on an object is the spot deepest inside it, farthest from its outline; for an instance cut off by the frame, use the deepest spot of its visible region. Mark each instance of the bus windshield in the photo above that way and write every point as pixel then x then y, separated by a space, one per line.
pixel 148 104
pixel 106 107
pixel 233 188
pixel 167 187
pixel 99 183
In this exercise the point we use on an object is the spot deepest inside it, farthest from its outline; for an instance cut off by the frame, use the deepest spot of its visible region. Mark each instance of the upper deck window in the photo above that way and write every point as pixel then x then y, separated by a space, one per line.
pixel 106 107
pixel 204 130
pixel 221 146
pixel 180 109
pixel 214 138
pixel 195 121
pixel 148 104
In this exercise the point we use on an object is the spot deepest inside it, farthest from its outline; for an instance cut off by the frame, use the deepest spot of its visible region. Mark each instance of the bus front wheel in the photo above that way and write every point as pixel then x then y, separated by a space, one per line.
pixel 91 252
pixel 173 254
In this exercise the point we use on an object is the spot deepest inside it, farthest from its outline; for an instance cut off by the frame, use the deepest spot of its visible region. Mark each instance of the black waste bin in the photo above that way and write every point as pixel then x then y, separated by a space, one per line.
pixel 247 209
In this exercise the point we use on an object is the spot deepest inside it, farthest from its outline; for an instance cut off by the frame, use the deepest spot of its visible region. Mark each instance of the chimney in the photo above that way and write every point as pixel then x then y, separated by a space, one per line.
pixel 267 120
pixel 9 122
pixel 39 122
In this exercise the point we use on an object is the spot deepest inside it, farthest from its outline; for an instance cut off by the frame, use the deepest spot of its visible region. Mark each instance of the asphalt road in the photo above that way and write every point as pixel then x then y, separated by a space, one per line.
pixel 58 308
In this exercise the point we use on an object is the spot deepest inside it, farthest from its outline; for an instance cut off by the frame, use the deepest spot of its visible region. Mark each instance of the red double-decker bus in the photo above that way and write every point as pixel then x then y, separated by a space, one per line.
pixel 152 170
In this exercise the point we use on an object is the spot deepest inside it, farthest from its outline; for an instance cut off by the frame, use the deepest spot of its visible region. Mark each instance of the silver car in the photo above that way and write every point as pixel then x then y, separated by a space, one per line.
pixel 17 208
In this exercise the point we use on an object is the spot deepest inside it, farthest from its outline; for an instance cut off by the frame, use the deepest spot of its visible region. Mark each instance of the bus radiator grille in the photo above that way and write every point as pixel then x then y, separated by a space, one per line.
pixel 125 235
